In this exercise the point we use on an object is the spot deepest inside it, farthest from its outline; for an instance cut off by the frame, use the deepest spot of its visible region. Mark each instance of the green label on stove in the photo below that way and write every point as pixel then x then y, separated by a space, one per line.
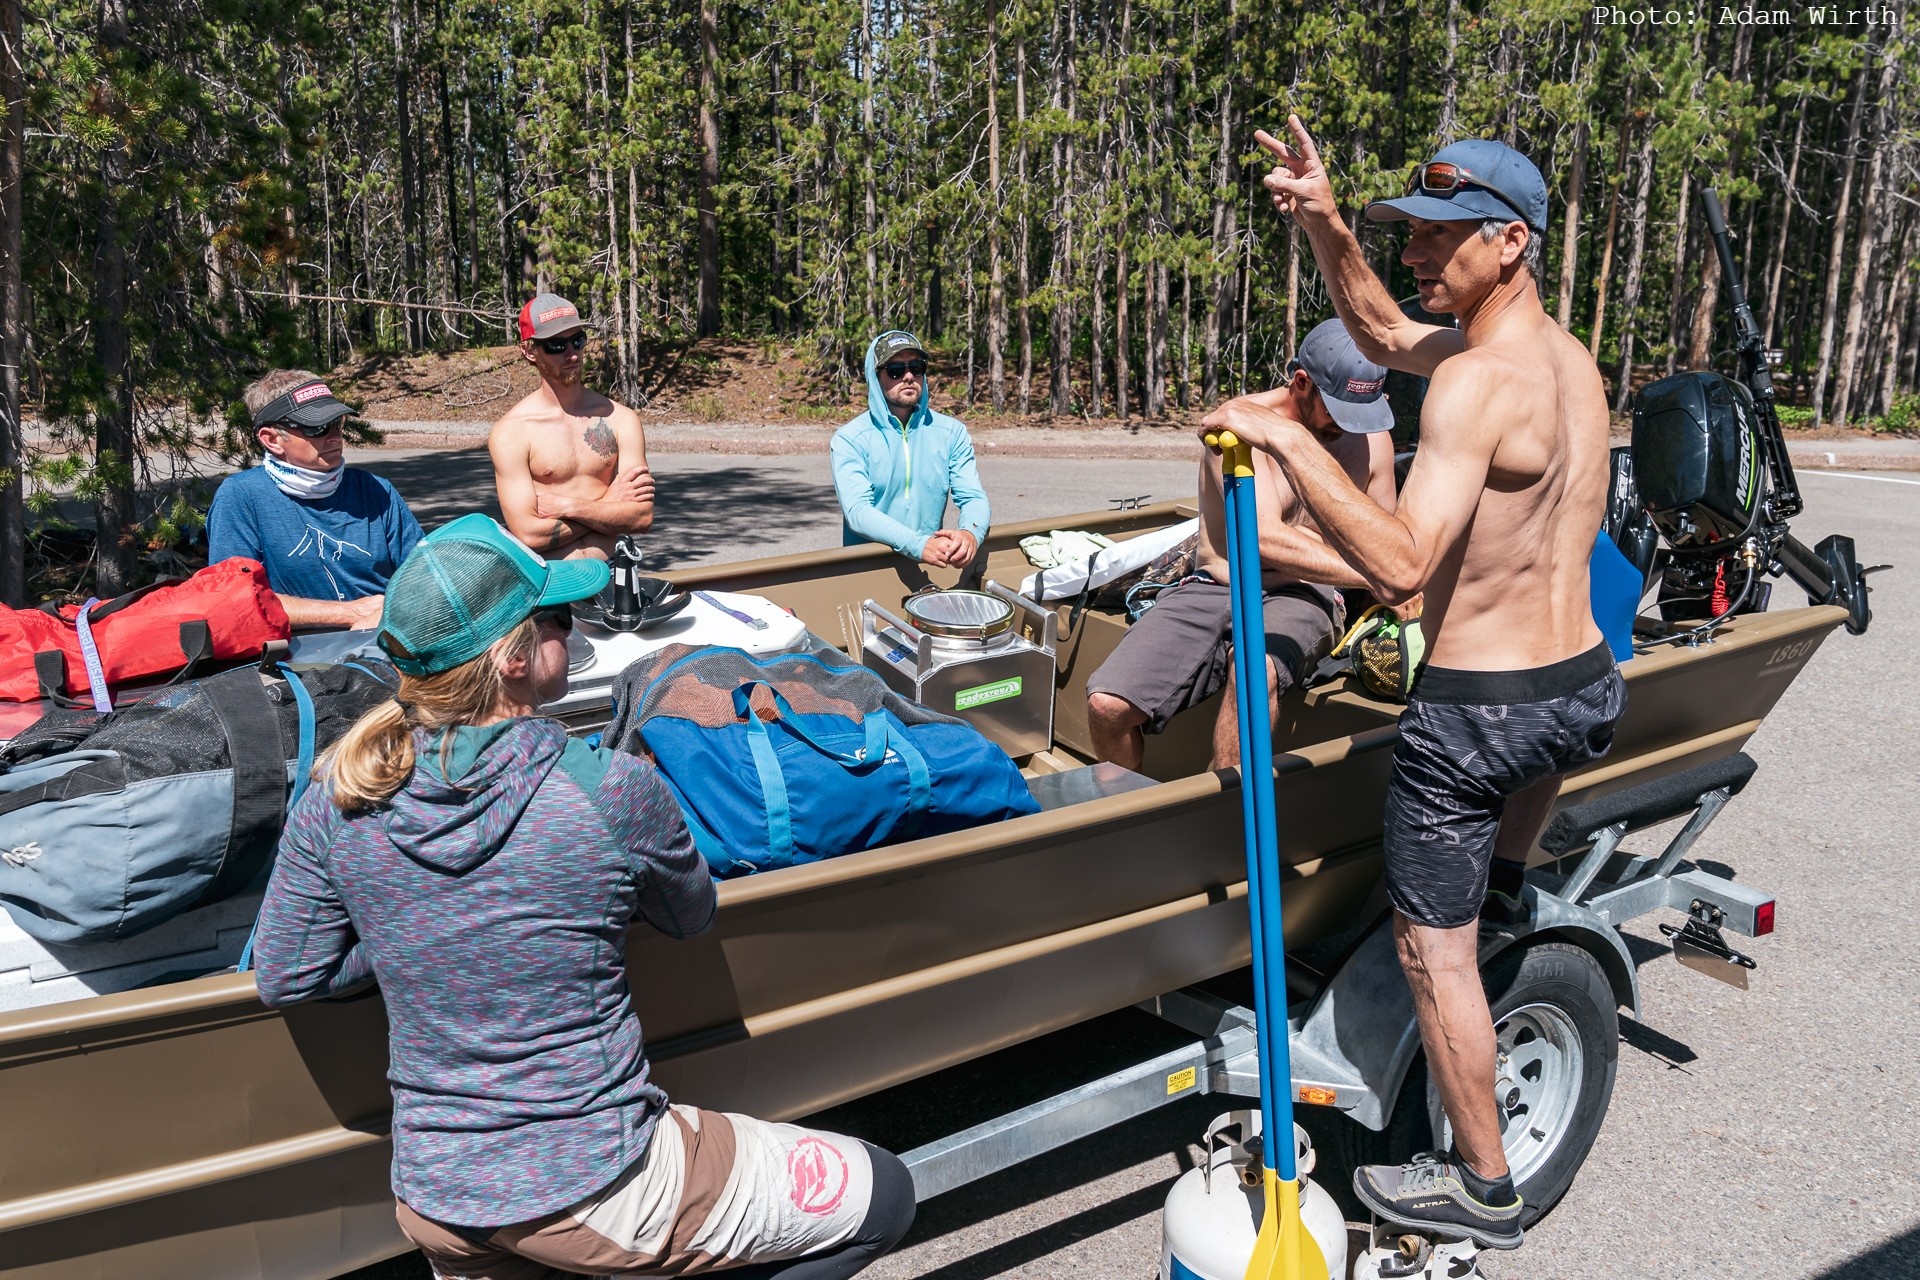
pixel 981 695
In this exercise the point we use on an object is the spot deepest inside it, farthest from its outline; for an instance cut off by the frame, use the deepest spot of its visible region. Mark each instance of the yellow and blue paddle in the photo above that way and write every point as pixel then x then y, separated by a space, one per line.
pixel 1284 1249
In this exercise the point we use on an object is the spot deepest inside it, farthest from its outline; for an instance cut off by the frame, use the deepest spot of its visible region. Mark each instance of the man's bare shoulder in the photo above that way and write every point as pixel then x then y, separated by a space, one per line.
pixel 516 420
pixel 1466 386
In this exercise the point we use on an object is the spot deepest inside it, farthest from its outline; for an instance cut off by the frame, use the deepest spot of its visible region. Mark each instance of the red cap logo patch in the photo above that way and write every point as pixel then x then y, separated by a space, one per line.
pixel 554 314
pixel 312 391
pixel 1364 386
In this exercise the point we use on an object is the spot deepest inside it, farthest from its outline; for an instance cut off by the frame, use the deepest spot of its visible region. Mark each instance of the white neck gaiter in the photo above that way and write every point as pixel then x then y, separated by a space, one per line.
pixel 298 482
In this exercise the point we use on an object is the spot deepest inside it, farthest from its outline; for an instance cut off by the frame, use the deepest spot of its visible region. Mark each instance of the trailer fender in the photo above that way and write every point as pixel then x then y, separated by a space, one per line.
pixel 1353 1048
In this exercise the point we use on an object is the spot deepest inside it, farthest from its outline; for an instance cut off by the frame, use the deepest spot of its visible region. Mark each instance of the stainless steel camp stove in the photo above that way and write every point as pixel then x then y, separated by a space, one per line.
pixel 984 656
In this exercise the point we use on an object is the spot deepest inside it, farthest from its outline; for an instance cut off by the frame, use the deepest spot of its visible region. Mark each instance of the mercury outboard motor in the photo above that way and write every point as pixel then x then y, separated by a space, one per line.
pixel 1712 470
pixel 624 603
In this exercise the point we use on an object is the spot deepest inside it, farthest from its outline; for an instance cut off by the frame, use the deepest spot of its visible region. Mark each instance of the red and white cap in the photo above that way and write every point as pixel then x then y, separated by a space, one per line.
pixel 549 315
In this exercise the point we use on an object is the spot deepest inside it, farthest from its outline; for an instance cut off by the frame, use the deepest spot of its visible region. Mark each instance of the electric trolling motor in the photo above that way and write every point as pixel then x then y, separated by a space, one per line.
pixel 1713 475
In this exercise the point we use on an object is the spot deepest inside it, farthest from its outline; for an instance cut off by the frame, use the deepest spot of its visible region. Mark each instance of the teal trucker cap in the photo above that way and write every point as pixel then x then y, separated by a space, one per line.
pixel 465 587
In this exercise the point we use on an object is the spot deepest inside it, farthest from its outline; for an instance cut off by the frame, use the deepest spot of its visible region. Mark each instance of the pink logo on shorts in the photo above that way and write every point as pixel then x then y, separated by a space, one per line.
pixel 819 1174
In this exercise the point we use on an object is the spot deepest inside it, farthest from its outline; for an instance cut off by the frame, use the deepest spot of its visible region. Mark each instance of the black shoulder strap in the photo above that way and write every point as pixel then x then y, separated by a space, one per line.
pixel 259 758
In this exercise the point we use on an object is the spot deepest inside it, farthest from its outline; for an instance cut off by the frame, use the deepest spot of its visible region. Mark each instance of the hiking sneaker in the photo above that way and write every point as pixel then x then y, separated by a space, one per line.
pixel 1502 911
pixel 1429 1195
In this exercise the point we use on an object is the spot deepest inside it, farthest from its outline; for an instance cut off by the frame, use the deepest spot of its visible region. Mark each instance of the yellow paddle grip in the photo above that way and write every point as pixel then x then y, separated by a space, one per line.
pixel 1236 459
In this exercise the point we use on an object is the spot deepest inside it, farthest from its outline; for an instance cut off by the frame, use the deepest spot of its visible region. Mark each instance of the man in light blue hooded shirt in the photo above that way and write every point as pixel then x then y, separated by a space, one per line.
pixel 895 465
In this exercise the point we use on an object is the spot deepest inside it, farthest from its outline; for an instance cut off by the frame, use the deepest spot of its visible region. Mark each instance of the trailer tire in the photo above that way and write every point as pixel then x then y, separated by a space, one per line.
pixel 1559 1033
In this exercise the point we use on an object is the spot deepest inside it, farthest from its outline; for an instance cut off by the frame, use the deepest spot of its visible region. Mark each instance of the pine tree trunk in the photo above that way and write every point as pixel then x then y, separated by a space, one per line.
pixel 1700 348
pixel 996 268
pixel 1122 362
pixel 409 188
pixel 1226 209
pixel 1604 278
pixel 1871 228
pixel 1023 278
pixel 1293 287
pixel 1897 335
pixel 1677 292
pixel 1786 220
pixel 1630 299
pixel 114 513
pixel 1570 225
pixel 708 322
pixel 13 129
pixel 1060 322
pixel 1829 312
pixel 866 157
pixel 1449 80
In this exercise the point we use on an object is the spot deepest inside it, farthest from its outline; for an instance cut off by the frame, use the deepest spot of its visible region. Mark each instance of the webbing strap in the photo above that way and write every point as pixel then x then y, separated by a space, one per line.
pixel 259 760
pixel 90 655
pixel 919 780
pixel 773 789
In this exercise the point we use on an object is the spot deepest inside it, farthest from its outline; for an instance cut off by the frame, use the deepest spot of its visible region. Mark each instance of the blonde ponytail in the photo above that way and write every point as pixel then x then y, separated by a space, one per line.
pixel 374 759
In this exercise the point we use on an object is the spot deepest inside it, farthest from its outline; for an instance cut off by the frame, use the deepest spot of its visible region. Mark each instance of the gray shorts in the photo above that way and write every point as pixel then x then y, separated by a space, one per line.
pixel 1468 740
pixel 1180 652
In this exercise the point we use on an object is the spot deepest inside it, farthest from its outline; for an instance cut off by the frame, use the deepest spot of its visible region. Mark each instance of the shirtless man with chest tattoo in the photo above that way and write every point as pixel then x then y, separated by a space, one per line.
pixel 570 464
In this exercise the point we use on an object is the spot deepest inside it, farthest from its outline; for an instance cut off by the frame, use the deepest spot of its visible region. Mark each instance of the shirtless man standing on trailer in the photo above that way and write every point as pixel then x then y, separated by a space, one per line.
pixel 570 464
pixel 1495 525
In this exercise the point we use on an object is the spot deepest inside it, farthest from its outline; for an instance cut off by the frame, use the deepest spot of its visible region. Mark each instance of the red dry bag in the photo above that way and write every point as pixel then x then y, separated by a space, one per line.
pixel 224 611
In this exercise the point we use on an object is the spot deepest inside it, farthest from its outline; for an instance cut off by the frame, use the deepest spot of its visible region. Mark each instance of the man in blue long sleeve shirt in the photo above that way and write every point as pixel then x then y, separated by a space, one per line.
pixel 895 465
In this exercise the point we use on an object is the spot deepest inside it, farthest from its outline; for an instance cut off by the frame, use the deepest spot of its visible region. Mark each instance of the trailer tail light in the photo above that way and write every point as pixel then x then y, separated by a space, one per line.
pixel 1763 919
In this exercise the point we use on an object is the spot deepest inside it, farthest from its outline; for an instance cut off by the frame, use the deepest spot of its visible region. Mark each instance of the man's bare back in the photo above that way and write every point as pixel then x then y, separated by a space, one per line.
pixel 572 477
pixel 1527 398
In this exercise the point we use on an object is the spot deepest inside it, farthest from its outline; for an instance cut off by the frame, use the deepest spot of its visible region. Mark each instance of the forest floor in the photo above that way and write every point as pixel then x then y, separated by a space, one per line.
pixel 732 383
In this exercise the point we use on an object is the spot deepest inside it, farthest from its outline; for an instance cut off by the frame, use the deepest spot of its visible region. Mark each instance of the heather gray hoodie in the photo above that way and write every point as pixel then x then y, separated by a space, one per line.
pixel 491 900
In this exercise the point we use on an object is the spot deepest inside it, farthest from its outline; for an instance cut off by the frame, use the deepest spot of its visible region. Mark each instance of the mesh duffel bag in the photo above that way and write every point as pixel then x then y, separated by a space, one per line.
pixel 792 758
pixel 110 825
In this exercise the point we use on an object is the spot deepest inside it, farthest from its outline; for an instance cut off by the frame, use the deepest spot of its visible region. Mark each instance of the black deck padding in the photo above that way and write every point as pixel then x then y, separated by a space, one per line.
pixel 1646 804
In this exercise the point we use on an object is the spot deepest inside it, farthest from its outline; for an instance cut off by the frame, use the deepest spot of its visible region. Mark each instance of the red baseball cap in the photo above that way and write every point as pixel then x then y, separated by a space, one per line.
pixel 549 315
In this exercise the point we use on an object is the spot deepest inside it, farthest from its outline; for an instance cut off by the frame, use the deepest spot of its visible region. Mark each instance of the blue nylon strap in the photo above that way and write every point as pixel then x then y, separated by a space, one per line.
pixel 90 655
pixel 773 788
pixel 875 726
pixel 919 779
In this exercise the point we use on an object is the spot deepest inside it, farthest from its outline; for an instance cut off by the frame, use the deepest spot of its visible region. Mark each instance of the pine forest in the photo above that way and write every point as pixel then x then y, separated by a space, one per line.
pixel 1063 199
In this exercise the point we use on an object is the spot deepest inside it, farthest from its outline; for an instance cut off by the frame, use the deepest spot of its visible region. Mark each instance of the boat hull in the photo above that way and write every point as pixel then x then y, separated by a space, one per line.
pixel 188 1131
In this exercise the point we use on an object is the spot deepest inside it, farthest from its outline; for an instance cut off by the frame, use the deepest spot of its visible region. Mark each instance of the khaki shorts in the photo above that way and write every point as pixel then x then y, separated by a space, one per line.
pixel 1180 652
pixel 714 1190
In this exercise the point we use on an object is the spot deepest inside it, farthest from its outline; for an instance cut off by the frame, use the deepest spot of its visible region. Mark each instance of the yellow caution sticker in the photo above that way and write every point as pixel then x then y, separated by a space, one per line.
pixel 1181 1080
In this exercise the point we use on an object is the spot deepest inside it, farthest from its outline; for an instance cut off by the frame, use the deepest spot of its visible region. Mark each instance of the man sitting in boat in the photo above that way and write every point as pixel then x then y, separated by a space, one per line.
pixel 877 457
pixel 328 534
pixel 485 869
pixel 1179 653
pixel 570 464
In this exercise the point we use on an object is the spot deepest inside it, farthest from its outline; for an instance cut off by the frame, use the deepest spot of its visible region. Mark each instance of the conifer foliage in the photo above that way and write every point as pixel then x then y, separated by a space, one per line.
pixel 1064 198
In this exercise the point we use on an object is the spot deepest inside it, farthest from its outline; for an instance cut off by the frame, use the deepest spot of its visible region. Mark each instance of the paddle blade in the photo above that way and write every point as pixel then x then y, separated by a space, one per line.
pixel 1285 1249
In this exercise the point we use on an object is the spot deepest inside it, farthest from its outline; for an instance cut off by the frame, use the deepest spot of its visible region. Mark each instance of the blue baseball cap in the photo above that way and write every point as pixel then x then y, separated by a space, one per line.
pixel 1496 182
pixel 1353 388
pixel 467 585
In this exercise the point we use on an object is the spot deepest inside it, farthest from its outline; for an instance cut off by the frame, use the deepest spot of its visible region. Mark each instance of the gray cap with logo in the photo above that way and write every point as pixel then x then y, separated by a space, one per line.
pixel 1353 387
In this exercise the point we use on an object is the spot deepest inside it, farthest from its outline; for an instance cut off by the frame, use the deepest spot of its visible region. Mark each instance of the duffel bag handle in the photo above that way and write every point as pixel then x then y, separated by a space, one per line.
pixel 874 724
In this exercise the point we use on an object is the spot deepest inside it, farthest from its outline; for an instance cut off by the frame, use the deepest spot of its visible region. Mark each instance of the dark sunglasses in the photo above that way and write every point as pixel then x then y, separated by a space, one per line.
pixel 311 433
pixel 558 346
pixel 1442 177
pixel 901 368
pixel 560 615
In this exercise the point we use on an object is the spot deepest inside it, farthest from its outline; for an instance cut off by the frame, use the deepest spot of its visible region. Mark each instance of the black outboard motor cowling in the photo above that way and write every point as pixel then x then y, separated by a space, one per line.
pixel 1697 460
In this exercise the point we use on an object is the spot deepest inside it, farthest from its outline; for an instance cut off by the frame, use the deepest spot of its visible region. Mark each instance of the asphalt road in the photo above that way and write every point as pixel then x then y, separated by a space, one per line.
pixel 1765 1133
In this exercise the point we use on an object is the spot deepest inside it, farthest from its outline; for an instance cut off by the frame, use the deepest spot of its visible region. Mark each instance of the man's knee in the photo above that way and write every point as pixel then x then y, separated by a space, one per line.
pixel 890 1211
pixel 1112 712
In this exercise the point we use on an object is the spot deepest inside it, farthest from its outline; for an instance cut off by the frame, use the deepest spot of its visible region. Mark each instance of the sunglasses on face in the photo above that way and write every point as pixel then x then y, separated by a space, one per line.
pixel 1441 177
pixel 901 368
pixel 559 346
pixel 559 615
pixel 311 433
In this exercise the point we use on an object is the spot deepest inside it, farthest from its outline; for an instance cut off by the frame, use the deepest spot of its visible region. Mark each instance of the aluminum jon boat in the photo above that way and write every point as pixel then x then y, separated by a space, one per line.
pixel 184 1130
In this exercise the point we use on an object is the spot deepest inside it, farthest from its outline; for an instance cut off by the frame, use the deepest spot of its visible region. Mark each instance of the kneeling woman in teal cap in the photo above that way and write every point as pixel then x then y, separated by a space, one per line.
pixel 484 869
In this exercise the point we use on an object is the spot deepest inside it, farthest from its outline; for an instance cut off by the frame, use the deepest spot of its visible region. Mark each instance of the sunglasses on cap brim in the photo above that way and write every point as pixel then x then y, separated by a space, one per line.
pixel 1443 178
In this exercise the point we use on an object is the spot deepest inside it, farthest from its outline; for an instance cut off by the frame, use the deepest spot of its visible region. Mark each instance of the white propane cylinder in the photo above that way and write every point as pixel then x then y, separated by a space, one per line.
pixel 1213 1215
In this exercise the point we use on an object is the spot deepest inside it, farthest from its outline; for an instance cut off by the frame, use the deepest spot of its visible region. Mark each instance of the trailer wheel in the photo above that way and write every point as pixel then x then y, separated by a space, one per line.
pixel 1558 1030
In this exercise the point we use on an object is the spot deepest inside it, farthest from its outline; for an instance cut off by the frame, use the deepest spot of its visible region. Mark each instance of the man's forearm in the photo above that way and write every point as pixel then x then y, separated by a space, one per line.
pixel 304 612
pixel 1375 545
pixel 1364 305
pixel 1294 551
pixel 603 515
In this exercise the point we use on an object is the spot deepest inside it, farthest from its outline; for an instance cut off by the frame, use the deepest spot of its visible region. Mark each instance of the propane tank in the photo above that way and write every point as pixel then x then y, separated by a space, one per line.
pixel 1213 1214
pixel 1394 1253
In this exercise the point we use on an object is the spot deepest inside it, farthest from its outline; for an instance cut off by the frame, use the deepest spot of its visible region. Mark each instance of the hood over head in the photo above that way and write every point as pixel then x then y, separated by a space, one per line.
pixel 877 407
pixel 457 819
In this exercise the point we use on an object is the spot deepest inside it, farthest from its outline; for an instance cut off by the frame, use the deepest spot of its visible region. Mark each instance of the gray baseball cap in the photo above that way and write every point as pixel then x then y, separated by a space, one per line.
pixel 1484 179
pixel 1353 387
pixel 892 343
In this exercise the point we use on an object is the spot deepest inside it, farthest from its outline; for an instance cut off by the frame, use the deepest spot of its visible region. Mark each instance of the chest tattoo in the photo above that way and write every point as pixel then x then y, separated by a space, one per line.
pixel 599 437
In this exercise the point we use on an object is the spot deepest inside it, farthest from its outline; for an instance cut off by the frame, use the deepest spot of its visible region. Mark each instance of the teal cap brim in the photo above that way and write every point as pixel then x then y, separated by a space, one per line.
pixel 570 580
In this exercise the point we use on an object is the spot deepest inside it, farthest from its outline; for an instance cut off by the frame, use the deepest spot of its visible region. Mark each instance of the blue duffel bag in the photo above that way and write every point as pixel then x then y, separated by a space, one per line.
pixel 765 784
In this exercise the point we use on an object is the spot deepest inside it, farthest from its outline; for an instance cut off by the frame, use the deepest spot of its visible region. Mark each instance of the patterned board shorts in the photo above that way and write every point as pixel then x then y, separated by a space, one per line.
pixel 714 1190
pixel 1468 740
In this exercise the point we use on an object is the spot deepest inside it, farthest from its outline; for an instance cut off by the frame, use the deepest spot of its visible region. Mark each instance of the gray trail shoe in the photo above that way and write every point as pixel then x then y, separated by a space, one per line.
pixel 1428 1194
